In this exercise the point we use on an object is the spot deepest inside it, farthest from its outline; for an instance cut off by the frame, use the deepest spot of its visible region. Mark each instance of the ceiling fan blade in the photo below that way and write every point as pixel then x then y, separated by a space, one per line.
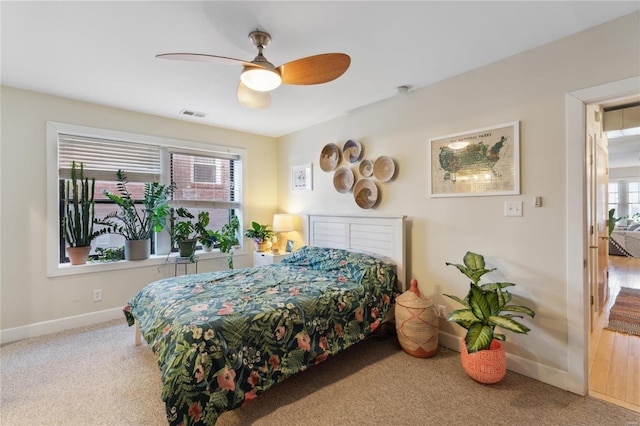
pixel 315 69
pixel 201 57
pixel 252 98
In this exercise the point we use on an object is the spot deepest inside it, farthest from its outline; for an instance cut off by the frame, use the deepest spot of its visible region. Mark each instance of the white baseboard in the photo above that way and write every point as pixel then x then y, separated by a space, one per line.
pixel 62 324
pixel 543 373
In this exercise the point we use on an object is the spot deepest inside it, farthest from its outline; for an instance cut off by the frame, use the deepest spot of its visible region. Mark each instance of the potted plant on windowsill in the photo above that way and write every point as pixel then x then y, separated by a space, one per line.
pixel 208 239
pixel 186 233
pixel 78 220
pixel 227 238
pixel 137 227
pixel 260 234
pixel 485 305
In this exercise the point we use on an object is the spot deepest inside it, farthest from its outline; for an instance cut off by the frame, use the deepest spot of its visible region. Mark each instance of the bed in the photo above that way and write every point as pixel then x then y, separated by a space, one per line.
pixel 223 338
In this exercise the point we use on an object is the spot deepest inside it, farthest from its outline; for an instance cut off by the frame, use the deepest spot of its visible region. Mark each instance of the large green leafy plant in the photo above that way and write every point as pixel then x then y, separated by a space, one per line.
pixel 187 229
pixel 485 306
pixel 130 223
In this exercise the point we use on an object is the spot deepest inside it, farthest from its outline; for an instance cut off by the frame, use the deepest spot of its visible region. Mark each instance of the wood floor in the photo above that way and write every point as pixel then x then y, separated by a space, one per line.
pixel 614 358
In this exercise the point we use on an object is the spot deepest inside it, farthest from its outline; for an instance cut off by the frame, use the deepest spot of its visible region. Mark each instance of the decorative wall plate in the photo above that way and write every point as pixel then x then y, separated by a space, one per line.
pixel 365 193
pixel 366 168
pixel 329 157
pixel 352 151
pixel 343 179
pixel 384 168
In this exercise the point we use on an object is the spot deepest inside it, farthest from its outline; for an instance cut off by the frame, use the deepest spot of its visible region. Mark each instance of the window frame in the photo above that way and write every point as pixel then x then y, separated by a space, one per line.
pixel 53 241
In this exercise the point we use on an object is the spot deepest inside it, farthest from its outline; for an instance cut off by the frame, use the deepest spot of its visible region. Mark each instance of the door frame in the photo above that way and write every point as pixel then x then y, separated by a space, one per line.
pixel 576 238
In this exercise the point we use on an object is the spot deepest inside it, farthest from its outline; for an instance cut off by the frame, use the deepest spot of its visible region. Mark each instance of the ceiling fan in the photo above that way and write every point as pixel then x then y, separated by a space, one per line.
pixel 260 76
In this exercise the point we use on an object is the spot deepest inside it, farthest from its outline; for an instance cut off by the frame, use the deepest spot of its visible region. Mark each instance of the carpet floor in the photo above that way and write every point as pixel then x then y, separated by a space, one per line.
pixel 625 312
pixel 96 376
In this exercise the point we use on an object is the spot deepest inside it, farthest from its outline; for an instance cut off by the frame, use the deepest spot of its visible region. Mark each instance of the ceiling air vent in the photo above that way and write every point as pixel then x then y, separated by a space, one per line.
pixel 193 113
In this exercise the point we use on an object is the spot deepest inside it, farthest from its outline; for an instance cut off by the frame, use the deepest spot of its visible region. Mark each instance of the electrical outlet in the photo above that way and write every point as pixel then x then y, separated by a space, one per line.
pixel 97 295
pixel 442 311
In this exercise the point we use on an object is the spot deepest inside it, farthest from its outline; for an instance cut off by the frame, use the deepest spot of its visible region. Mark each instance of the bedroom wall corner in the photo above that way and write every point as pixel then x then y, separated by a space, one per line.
pixel 30 298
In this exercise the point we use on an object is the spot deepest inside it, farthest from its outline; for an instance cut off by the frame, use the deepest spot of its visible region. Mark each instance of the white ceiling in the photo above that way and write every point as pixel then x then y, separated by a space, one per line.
pixel 104 51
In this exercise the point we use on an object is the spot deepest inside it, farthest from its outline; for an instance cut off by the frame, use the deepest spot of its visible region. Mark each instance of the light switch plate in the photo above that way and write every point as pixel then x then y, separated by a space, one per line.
pixel 513 208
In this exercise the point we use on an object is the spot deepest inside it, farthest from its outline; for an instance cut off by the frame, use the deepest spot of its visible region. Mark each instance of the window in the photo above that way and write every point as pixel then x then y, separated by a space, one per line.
pixel 206 178
pixel 633 196
pixel 614 196
pixel 624 196
pixel 206 182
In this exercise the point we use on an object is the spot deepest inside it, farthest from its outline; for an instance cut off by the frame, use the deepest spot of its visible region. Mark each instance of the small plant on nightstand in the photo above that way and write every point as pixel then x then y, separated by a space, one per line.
pixel 260 234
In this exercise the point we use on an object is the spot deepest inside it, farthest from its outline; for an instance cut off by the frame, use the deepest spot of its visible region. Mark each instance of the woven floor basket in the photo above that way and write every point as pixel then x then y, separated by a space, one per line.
pixel 416 323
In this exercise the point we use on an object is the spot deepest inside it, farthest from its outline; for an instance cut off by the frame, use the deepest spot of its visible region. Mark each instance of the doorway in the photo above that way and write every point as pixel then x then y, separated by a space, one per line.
pixel 578 294
pixel 613 374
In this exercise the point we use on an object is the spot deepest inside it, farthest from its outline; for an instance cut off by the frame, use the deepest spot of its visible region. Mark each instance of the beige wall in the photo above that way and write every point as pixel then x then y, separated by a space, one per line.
pixel 531 250
pixel 28 295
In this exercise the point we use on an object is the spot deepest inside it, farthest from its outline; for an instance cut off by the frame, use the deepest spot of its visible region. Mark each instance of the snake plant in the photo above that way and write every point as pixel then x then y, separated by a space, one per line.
pixel 78 219
pixel 484 306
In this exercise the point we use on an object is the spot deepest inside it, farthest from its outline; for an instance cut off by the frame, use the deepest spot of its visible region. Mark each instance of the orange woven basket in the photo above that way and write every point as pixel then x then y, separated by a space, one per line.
pixel 487 366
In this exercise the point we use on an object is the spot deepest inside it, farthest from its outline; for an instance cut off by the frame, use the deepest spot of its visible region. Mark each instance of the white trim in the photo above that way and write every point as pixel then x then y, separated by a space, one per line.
pixel 576 249
pixel 153 260
pixel 61 324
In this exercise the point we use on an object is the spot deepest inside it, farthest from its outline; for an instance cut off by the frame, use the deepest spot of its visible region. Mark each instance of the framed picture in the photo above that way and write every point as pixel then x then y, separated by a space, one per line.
pixel 477 162
pixel 302 177
pixel 289 247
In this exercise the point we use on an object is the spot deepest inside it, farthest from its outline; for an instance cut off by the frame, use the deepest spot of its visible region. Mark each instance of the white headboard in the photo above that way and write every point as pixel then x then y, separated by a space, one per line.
pixel 384 236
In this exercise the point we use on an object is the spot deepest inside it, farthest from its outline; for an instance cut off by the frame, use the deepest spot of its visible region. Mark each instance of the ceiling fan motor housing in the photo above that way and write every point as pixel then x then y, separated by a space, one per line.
pixel 260 39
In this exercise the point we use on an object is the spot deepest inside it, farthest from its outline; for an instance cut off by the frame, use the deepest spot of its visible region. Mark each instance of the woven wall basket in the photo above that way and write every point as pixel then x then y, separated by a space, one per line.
pixel 487 366
pixel 416 323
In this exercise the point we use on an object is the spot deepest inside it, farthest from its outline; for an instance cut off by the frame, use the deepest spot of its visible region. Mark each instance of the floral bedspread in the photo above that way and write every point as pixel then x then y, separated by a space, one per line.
pixel 222 338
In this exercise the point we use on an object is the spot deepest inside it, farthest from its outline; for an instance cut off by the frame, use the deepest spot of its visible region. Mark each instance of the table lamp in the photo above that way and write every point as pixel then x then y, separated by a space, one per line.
pixel 282 223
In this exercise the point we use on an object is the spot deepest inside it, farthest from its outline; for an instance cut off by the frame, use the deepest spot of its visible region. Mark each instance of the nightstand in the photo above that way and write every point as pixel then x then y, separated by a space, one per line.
pixel 268 258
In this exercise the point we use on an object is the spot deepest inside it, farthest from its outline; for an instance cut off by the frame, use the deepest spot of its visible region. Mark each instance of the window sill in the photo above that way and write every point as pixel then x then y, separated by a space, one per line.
pixel 91 267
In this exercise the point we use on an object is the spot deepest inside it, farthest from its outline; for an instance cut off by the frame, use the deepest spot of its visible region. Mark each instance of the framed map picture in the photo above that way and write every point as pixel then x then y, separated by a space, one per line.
pixel 474 163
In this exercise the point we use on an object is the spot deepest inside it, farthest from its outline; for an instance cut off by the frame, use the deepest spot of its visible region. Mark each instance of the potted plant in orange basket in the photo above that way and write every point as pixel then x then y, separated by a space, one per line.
pixel 482 352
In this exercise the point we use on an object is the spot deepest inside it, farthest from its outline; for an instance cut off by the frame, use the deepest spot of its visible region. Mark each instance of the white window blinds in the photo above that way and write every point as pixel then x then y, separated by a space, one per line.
pixel 205 179
pixel 102 158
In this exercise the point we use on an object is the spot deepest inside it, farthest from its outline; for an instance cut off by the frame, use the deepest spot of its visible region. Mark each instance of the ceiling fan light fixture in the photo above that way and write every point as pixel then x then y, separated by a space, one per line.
pixel 260 79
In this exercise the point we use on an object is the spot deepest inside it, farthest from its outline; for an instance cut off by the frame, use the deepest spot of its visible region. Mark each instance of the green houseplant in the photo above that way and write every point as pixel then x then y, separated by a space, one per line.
pixel 260 234
pixel 208 239
pixel 485 307
pixel 186 232
pixel 227 238
pixel 137 227
pixel 78 220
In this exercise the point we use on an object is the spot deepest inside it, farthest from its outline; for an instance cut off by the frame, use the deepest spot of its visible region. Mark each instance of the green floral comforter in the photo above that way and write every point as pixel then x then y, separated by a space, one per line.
pixel 222 338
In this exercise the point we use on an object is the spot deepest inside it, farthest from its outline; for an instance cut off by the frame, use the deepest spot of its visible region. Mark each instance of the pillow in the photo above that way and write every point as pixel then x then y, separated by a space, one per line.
pixel 352 265
pixel 634 227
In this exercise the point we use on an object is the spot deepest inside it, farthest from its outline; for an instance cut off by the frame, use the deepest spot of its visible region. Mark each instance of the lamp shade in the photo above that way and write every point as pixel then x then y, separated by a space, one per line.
pixel 282 223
